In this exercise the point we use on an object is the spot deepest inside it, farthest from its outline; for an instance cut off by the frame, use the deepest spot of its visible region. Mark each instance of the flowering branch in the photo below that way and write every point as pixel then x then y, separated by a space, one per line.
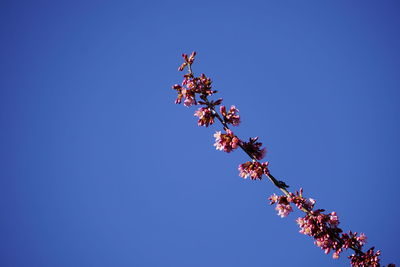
pixel 315 223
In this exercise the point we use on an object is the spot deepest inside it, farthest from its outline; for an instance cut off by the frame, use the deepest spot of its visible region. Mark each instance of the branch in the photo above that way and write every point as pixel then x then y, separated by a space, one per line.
pixel 322 227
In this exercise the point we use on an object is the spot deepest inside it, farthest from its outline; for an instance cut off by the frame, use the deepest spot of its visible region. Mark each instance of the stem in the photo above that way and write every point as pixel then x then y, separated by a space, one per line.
pixel 190 69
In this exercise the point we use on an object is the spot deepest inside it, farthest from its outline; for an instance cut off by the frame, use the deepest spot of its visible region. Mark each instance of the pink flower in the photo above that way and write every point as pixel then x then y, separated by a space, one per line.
pixel 192 85
pixel 326 242
pixel 231 117
pixel 301 202
pixel 184 93
pixel 307 226
pixel 336 254
pixel 189 97
pixel 283 205
pixel 226 142
pixel 351 240
pixel 283 210
pixel 206 116
pixel 253 169
pixel 189 102
pixel 333 219
pixel 315 225
pixel 273 199
pixel 309 203
pixel 204 85
pixel 253 148
pixel 200 85
pixel 362 239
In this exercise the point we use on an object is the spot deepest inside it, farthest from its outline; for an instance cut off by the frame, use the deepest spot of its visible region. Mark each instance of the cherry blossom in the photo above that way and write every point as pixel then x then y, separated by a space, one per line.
pixel 226 142
pixel 230 117
pixel 206 116
pixel 254 148
pixel 253 169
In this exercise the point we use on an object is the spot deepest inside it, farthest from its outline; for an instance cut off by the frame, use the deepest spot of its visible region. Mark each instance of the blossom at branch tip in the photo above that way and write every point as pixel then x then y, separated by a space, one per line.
pixel 254 148
pixel 226 142
pixel 192 85
pixel 253 169
pixel 230 117
pixel 187 60
pixel 191 57
pixel 206 116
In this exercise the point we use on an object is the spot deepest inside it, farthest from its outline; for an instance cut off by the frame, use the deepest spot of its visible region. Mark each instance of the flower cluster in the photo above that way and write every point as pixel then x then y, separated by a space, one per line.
pixel 230 117
pixel 283 203
pixel 324 229
pixel 351 240
pixel 254 169
pixel 367 259
pixel 301 202
pixel 226 142
pixel 192 85
pixel 254 148
pixel 200 85
pixel 325 232
pixel 206 116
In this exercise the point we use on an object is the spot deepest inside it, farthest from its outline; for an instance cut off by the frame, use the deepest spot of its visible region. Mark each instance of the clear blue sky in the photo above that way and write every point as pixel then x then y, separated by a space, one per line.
pixel 100 168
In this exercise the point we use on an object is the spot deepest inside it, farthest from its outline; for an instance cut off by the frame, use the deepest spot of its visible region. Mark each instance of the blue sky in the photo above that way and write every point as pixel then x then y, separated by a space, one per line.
pixel 100 168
